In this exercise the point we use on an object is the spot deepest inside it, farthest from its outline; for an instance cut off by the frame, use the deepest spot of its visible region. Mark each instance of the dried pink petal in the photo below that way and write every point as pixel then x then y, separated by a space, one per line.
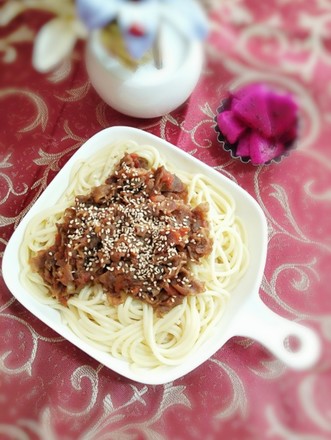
pixel 262 149
pixel 259 122
pixel 282 111
pixel 231 127
pixel 243 147
pixel 252 108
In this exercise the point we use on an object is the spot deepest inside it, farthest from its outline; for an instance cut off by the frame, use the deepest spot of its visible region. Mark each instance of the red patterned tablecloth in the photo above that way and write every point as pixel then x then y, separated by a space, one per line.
pixel 49 389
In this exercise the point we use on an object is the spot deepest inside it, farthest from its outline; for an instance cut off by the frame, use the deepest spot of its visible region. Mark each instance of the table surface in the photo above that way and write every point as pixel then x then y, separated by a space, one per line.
pixel 49 389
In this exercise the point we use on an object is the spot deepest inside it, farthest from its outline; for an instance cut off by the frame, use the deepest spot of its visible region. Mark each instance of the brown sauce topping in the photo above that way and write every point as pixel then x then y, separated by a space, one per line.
pixel 133 235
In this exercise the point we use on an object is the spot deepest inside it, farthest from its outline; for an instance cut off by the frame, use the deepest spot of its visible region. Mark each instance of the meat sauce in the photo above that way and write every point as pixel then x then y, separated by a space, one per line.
pixel 133 235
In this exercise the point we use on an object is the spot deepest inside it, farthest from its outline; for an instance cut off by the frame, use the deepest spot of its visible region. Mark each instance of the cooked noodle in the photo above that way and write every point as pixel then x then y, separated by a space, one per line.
pixel 132 331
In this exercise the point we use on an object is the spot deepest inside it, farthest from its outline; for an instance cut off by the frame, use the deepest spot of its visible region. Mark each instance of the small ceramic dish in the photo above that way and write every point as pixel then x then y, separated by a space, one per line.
pixel 246 314
pixel 147 92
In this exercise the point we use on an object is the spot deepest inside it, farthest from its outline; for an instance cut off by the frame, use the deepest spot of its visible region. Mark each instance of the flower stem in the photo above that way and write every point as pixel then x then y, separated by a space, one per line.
pixel 157 53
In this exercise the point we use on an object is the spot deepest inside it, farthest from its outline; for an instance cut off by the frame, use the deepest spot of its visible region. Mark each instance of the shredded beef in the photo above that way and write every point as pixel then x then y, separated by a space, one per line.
pixel 134 235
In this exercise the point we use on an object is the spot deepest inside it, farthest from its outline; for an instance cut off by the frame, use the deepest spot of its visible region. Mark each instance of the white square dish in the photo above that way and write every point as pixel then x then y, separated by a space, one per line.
pixel 246 314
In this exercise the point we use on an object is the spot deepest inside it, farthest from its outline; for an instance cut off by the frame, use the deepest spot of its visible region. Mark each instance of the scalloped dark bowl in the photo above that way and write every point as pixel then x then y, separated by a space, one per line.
pixel 231 148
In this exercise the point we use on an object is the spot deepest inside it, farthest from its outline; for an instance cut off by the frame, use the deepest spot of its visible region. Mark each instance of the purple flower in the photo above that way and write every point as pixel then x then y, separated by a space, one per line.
pixel 139 20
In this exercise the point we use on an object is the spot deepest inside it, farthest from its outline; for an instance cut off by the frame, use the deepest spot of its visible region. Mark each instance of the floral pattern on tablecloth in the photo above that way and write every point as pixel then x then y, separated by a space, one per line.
pixel 49 389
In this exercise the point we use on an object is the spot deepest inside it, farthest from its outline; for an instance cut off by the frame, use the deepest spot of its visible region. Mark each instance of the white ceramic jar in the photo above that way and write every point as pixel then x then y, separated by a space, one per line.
pixel 147 92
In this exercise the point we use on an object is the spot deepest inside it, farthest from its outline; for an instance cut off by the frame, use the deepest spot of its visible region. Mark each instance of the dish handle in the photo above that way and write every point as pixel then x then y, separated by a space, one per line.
pixel 259 322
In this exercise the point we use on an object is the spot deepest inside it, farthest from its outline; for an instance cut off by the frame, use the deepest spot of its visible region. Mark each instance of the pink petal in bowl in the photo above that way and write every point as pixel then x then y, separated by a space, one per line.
pixel 258 123
pixel 231 126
